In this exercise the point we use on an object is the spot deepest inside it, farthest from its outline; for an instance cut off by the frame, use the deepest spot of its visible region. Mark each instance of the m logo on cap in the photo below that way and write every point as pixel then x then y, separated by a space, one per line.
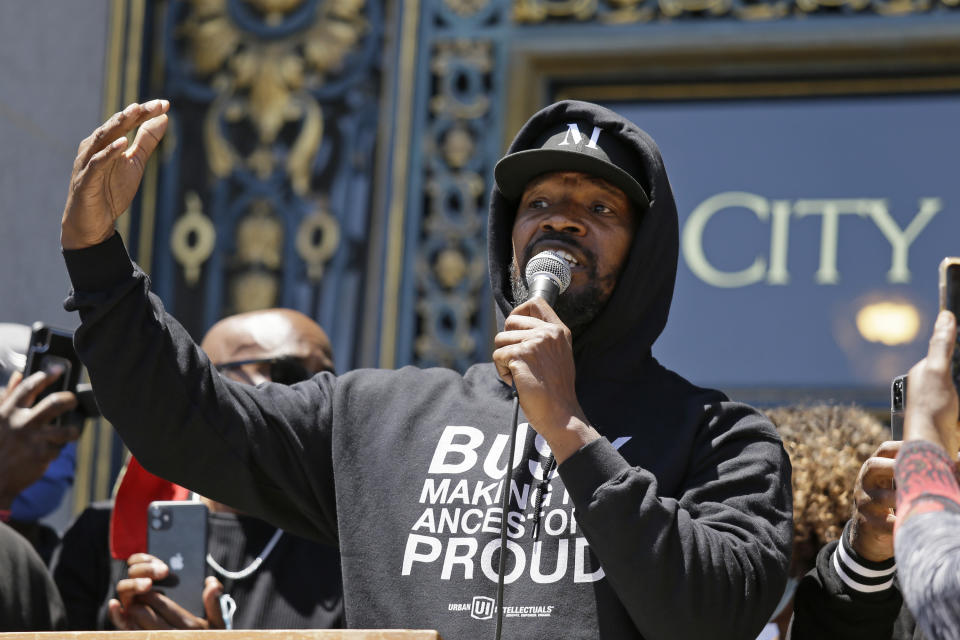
pixel 574 130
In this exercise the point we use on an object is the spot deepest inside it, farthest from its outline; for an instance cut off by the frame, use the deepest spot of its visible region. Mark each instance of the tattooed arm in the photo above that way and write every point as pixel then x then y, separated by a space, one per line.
pixel 927 531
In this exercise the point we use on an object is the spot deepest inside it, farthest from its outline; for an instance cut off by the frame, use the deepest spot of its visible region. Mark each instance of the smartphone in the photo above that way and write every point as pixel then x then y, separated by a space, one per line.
pixel 898 403
pixel 950 300
pixel 177 534
pixel 49 348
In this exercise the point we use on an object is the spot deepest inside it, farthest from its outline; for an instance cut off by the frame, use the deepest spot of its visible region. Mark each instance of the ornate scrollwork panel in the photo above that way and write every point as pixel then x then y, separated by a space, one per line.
pixel 276 105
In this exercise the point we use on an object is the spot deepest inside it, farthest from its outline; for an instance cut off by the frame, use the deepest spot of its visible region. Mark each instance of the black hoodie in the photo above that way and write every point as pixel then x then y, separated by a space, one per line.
pixel 677 524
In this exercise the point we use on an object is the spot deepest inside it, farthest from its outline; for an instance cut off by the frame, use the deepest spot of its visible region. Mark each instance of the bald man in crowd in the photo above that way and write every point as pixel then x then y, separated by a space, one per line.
pixel 297 585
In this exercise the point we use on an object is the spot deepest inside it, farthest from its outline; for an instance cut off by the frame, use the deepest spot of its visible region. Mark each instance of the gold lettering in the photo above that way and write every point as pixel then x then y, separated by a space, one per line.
pixel 692 239
pixel 779 242
pixel 900 241
pixel 831 210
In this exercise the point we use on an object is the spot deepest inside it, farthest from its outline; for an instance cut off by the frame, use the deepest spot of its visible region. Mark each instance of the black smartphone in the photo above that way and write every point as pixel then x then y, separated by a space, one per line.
pixel 51 348
pixel 898 403
pixel 177 534
pixel 950 300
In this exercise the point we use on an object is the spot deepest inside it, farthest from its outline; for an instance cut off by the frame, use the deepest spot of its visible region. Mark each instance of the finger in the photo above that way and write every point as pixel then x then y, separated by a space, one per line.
pixel 14 380
pixel 130 588
pixel 170 612
pixel 117 616
pixel 500 361
pixel 119 124
pixel 877 525
pixel 212 590
pixel 148 137
pixel 144 617
pixel 25 392
pixel 137 558
pixel 153 569
pixel 888 449
pixel 510 362
pixel 878 474
pixel 506 338
pixel 101 160
pixel 880 502
pixel 521 322
pixel 536 308
pixel 54 405
pixel 942 341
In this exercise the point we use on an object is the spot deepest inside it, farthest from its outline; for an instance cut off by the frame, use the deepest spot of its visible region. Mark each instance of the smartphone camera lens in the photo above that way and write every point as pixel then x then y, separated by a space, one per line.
pixel 156 523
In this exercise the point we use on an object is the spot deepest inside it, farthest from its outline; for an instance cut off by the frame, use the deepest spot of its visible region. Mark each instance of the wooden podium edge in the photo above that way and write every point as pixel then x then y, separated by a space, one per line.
pixel 245 634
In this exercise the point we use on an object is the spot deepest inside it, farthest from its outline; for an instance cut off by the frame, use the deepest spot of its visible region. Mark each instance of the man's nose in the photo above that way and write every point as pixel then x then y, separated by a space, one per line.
pixel 564 221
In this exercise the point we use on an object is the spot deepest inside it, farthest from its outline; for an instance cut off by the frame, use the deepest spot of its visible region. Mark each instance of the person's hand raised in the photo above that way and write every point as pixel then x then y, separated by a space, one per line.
pixel 931 408
pixel 107 173
pixel 28 442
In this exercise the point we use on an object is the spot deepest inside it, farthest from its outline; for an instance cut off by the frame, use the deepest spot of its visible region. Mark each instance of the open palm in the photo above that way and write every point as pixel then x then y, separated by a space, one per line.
pixel 107 172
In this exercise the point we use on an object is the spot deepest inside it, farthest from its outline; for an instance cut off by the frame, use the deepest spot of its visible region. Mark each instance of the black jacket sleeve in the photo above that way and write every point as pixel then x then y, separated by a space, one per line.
pixel 848 597
pixel 721 546
pixel 263 450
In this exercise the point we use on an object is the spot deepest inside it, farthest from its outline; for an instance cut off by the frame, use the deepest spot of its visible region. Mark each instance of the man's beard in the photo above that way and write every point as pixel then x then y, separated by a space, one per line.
pixel 576 310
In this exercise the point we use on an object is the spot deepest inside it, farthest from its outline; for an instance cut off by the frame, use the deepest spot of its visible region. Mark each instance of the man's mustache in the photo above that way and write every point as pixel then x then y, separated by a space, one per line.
pixel 557 238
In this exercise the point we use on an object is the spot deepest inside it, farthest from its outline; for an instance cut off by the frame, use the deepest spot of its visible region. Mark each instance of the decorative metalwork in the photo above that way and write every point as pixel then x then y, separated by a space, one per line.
pixel 193 239
pixel 453 306
pixel 255 283
pixel 466 7
pixel 276 105
pixel 317 241
pixel 264 82
pixel 636 11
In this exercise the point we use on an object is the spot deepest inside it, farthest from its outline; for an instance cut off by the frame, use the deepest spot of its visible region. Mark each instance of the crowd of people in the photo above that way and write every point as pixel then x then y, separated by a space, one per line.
pixel 572 487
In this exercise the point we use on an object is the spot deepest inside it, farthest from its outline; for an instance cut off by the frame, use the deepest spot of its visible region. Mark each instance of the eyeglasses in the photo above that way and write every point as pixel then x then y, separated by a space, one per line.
pixel 283 369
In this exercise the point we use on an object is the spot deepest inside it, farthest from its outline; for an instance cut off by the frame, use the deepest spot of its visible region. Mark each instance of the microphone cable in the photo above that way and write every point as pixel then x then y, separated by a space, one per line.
pixel 505 510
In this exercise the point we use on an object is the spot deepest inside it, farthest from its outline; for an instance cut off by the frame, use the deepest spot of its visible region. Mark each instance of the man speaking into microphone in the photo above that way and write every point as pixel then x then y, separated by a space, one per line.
pixel 640 506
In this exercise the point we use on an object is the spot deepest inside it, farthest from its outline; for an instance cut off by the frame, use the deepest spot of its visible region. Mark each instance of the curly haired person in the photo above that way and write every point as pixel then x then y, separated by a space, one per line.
pixel 827 445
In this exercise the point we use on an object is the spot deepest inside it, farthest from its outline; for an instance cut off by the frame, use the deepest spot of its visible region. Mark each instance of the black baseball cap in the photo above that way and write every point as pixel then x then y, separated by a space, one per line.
pixel 573 146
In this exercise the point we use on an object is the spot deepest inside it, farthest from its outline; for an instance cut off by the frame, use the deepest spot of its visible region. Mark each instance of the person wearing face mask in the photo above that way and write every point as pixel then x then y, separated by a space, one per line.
pixel 295 584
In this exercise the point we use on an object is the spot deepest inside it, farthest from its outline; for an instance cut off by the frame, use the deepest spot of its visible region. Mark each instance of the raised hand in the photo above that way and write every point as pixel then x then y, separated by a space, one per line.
pixel 931 410
pixel 107 173
pixel 28 442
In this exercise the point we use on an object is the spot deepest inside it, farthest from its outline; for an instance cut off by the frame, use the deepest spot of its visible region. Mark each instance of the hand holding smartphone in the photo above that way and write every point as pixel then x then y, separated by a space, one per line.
pixel 51 348
pixel 950 301
pixel 177 535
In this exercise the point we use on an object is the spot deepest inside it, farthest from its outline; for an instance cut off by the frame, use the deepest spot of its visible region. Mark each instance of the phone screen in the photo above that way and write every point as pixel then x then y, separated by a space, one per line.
pixel 950 300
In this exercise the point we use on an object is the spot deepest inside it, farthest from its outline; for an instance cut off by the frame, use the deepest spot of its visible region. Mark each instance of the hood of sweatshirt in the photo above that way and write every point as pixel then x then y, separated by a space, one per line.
pixel 619 339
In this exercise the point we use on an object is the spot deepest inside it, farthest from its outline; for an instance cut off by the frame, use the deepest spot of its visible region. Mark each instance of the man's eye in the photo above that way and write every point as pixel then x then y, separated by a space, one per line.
pixel 537 203
pixel 599 207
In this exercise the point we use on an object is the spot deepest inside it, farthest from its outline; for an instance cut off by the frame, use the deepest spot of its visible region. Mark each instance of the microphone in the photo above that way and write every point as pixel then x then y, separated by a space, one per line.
pixel 548 275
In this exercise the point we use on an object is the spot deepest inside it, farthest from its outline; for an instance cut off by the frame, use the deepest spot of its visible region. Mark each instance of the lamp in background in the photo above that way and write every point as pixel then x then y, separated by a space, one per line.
pixel 890 323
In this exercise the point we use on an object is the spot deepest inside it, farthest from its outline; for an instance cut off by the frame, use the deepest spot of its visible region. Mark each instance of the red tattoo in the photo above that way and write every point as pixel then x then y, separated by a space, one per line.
pixel 926 480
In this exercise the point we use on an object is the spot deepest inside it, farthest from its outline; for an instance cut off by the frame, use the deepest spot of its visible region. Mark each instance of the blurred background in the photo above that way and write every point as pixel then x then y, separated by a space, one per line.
pixel 335 156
